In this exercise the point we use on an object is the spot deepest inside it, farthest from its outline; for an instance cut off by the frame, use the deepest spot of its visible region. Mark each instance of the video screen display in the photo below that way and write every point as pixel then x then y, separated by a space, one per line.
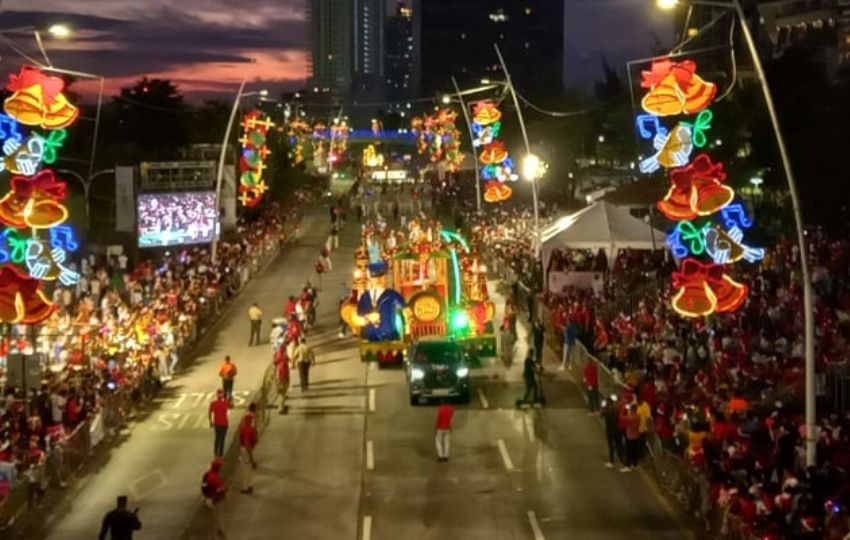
pixel 169 219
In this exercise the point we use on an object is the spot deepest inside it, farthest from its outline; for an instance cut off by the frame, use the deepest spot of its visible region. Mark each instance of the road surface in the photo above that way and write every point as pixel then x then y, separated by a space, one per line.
pixel 353 460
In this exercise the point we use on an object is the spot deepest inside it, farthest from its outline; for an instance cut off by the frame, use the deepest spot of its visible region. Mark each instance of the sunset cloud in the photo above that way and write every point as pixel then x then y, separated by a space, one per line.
pixel 206 46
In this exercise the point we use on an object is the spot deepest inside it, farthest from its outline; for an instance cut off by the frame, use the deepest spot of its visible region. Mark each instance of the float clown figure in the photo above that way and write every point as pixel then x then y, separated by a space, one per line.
pixel 380 310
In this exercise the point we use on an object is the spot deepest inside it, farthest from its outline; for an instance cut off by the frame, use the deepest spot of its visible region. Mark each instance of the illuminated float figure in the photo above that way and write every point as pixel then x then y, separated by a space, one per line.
pixel 442 290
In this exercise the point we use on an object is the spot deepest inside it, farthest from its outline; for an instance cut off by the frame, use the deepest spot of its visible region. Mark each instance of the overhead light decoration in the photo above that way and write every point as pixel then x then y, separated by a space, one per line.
pixel 497 167
pixel 438 137
pixel 709 233
pixel 252 162
pixel 34 243
pixel 371 157
pixel 339 133
pixel 298 132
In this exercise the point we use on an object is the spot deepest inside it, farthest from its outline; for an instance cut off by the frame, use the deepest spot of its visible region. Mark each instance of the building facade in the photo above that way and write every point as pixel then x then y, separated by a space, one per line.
pixel 399 64
pixel 455 38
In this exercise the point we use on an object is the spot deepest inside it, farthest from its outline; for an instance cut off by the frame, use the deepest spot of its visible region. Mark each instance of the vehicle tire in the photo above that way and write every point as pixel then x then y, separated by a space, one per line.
pixel 414 400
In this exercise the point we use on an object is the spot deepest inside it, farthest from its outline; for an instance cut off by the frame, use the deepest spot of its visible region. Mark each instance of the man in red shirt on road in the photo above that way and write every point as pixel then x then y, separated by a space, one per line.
pixel 444 429
pixel 218 412
pixel 591 382
pixel 214 491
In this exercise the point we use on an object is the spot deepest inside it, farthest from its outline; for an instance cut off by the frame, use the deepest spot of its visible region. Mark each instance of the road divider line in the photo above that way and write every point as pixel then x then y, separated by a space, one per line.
pixel 370 456
pixel 371 400
pixel 483 399
pixel 535 526
pixel 506 458
pixel 366 533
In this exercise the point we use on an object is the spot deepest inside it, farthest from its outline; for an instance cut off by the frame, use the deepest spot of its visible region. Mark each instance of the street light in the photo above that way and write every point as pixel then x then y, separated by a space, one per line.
pixel 808 304
pixel 531 165
pixel 60 31
pixel 220 174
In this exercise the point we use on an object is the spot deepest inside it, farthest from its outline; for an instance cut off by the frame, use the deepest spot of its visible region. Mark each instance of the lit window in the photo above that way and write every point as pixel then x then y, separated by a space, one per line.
pixel 528 10
pixel 462 35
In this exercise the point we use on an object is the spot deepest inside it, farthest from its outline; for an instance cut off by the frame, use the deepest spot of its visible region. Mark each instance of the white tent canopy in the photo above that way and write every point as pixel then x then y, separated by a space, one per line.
pixel 600 226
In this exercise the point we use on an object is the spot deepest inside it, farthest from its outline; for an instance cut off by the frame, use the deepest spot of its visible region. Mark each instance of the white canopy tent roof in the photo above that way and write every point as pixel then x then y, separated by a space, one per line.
pixel 600 226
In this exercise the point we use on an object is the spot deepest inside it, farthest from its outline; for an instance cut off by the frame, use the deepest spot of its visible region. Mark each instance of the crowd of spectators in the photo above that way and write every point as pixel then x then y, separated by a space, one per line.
pixel 118 332
pixel 725 393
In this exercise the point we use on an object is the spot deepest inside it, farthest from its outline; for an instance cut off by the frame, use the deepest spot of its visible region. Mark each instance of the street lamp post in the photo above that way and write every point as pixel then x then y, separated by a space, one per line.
pixel 808 303
pixel 472 144
pixel 223 154
pixel 87 183
pixel 529 156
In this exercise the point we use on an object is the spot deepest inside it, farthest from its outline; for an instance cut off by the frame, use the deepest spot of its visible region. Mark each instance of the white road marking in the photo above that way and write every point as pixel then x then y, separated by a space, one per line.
pixel 366 533
pixel 483 399
pixel 506 458
pixel 370 456
pixel 535 526
pixel 529 431
pixel 371 400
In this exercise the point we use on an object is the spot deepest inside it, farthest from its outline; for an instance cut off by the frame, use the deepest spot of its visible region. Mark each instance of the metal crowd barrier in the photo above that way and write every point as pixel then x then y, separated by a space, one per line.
pixel 68 457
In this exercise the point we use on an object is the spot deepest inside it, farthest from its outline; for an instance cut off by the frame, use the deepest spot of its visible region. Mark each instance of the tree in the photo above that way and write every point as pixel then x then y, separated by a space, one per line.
pixel 153 116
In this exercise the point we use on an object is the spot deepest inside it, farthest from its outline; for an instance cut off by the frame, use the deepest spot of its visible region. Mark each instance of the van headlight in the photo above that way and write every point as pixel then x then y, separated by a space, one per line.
pixel 416 374
pixel 462 372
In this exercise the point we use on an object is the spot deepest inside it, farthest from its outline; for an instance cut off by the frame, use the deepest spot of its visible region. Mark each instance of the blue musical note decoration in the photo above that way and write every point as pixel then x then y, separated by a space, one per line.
pixel 63 237
pixel 735 215
pixel 9 128
pixel 649 126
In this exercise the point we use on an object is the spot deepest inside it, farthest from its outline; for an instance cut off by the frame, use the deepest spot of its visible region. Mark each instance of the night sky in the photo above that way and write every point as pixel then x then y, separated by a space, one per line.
pixel 207 46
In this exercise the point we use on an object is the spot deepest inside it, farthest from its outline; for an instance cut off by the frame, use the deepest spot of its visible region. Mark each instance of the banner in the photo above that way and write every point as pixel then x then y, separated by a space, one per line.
pixel 125 200
pixel 558 281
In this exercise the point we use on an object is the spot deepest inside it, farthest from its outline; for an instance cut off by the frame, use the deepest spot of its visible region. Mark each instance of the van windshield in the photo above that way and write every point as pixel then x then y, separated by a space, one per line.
pixel 437 353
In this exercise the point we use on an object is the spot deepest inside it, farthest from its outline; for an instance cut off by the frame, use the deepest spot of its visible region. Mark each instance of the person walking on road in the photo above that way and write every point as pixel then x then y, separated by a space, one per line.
pixel 611 416
pixel 120 522
pixel 282 368
pixel 255 317
pixel 304 358
pixel 218 417
pixel 445 412
pixel 538 333
pixel 529 375
pixel 248 439
pixel 214 491
pixel 333 239
pixel 227 372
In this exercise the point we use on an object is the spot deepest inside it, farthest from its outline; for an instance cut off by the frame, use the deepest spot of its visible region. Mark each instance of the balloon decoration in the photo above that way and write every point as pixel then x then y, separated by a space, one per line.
pixel 708 236
pixel 497 167
pixel 438 136
pixel 255 128
pixel 34 243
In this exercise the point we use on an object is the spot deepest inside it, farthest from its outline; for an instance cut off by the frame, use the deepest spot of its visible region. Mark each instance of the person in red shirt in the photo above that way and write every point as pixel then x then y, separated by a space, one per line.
pixel 218 412
pixel 444 429
pixel 591 382
pixel 214 491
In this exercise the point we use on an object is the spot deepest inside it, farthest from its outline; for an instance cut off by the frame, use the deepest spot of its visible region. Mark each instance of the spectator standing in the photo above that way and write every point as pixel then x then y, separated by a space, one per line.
pixel 632 425
pixel 214 491
pixel 444 430
pixel 248 439
pixel 611 416
pixel 304 358
pixel 227 372
pixel 36 460
pixel 218 417
pixel 120 522
pixel 570 333
pixel 644 414
pixel 255 317
pixel 591 383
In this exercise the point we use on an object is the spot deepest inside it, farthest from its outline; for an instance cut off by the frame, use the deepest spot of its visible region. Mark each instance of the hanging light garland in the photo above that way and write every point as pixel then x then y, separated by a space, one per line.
pixel 708 236
pixel 34 243
pixel 438 137
pixel 255 129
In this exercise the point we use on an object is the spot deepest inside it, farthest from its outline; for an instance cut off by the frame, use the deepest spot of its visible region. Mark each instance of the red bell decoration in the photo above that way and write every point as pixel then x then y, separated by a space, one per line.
pixel 675 88
pixel 697 190
pixel 21 298
pixel 33 202
pixel 705 289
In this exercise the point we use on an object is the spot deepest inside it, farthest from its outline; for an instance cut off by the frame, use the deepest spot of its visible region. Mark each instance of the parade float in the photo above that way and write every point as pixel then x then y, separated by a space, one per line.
pixel 431 284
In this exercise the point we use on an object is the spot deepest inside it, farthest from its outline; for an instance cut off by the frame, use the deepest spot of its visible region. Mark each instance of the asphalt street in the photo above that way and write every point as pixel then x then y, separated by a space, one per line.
pixel 353 460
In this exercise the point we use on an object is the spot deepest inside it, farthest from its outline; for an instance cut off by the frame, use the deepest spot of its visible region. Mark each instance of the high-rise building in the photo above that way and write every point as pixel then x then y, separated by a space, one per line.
pixel 456 38
pixel 398 67
pixel 347 48
pixel 843 8
pixel 331 28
